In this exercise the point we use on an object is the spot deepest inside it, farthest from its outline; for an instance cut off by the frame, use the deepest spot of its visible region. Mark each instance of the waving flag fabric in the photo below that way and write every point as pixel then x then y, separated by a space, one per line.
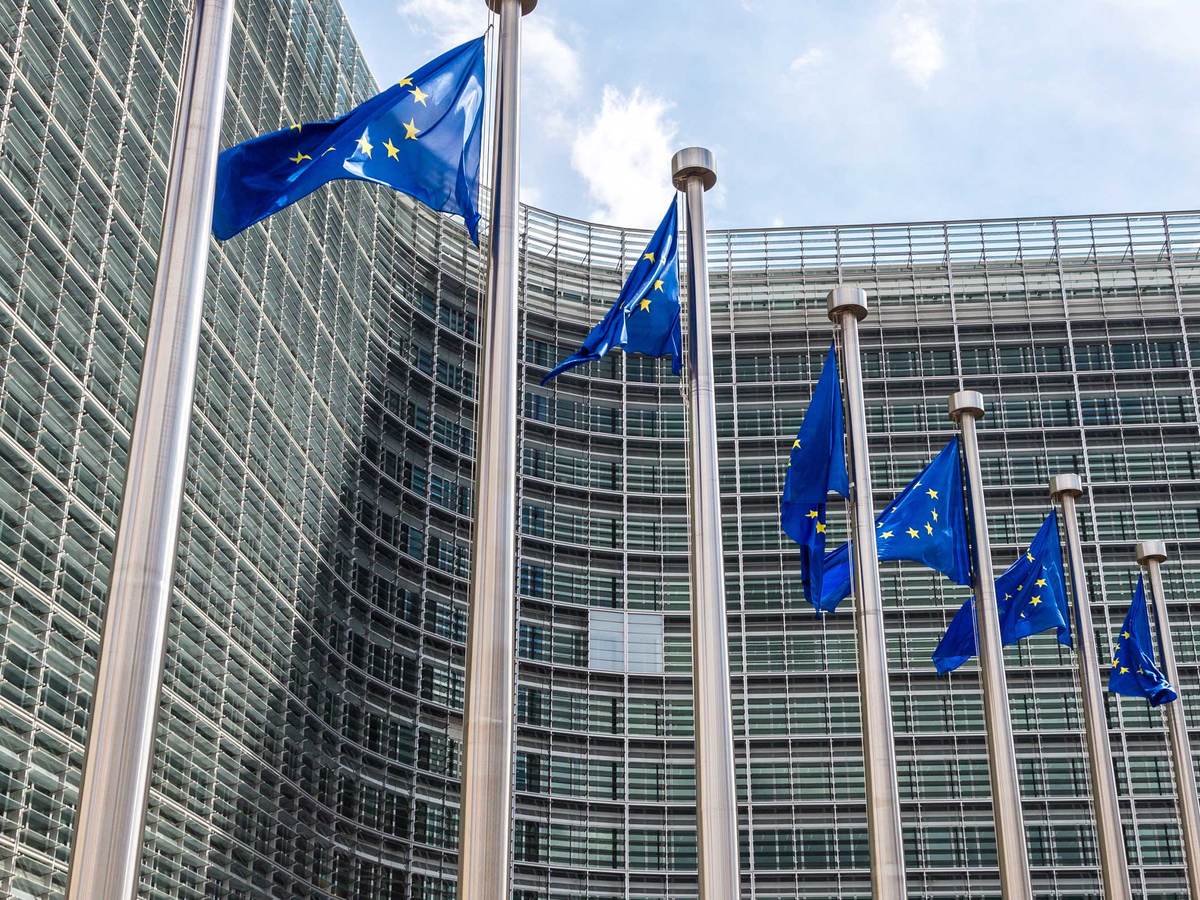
pixel 1031 597
pixel 645 317
pixel 421 136
pixel 1134 672
pixel 816 466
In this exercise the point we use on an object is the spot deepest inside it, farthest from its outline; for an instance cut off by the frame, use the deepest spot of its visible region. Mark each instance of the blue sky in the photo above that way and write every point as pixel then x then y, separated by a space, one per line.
pixel 840 111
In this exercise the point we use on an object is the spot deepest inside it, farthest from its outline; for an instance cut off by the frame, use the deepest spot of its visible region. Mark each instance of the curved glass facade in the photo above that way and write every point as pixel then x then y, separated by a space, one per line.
pixel 310 726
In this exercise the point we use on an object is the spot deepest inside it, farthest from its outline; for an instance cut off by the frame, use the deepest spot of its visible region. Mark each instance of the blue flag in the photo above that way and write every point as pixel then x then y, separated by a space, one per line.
pixel 1134 672
pixel 420 136
pixel 835 578
pixel 927 522
pixel 817 465
pixel 1031 597
pixel 645 317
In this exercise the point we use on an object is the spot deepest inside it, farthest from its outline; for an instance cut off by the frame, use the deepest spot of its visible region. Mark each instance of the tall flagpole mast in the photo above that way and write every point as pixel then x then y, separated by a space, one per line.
pixel 966 407
pixel 107 843
pixel 847 305
pixel 1152 554
pixel 485 813
pixel 1113 867
pixel 716 801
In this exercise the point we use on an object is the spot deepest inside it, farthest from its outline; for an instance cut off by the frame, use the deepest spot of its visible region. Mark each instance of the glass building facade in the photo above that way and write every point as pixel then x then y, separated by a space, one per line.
pixel 311 718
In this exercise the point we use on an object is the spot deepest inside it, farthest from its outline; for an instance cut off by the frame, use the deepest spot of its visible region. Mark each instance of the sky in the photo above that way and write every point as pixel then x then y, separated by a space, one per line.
pixel 839 111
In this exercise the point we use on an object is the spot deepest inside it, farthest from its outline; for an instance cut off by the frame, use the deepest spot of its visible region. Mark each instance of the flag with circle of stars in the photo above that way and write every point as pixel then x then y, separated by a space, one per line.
pixel 645 317
pixel 1134 672
pixel 816 466
pixel 421 136
pixel 1031 597
pixel 928 518
pixel 927 523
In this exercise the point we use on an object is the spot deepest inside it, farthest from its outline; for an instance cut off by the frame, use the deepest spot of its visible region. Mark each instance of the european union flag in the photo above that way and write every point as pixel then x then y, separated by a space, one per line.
pixel 420 136
pixel 817 466
pixel 1134 672
pixel 927 522
pixel 645 317
pixel 1031 597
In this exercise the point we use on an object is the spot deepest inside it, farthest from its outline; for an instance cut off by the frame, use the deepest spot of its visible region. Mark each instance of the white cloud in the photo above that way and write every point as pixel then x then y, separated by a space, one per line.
pixel 809 59
pixel 916 43
pixel 624 155
pixel 548 58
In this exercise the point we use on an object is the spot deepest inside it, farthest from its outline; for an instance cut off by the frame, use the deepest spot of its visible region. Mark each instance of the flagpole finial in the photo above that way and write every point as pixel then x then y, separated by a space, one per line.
pixel 526 6
pixel 1070 484
pixel 966 403
pixel 693 161
pixel 1150 551
pixel 846 298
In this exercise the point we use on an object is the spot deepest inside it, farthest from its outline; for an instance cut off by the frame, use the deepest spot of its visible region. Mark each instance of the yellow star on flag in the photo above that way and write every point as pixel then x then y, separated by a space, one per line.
pixel 1124 669
pixel 913 533
pixel 658 284
pixel 932 493
pixel 419 96
pixel 820 528
pixel 648 255
pixel 928 528
pixel 295 126
pixel 796 444
pixel 330 150
pixel 1041 582
pixel 299 157
pixel 1034 601
pixel 645 303
pixel 934 511
pixel 365 146
pixel 404 82
pixel 392 150
pixel 1029 556
pixel 1125 634
pixel 811 514
pixel 887 534
pixel 411 130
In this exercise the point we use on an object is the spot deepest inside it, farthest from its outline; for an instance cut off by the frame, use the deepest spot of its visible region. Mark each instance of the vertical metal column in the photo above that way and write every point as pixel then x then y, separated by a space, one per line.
pixel 847 306
pixel 1113 867
pixel 1152 554
pixel 716 800
pixel 106 847
pixel 965 408
pixel 485 812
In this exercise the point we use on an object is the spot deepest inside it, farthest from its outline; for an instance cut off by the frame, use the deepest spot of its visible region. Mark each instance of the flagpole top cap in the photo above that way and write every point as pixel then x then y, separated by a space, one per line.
pixel 1147 551
pixel 496 6
pixel 693 161
pixel 966 403
pixel 1070 484
pixel 846 298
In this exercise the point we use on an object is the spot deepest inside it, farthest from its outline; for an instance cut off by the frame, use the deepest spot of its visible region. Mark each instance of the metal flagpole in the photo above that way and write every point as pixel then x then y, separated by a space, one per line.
pixel 965 408
pixel 716 801
pixel 485 814
pixel 1152 554
pixel 1065 488
pixel 107 843
pixel 847 305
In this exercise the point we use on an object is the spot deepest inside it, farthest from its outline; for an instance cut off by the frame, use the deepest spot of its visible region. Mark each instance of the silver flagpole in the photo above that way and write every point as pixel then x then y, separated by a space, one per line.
pixel 1152 554
pixel 716 801
pixel 965 408
pixel 1065 488
pixel 107 843
pixel 847 305
pixel 485 813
